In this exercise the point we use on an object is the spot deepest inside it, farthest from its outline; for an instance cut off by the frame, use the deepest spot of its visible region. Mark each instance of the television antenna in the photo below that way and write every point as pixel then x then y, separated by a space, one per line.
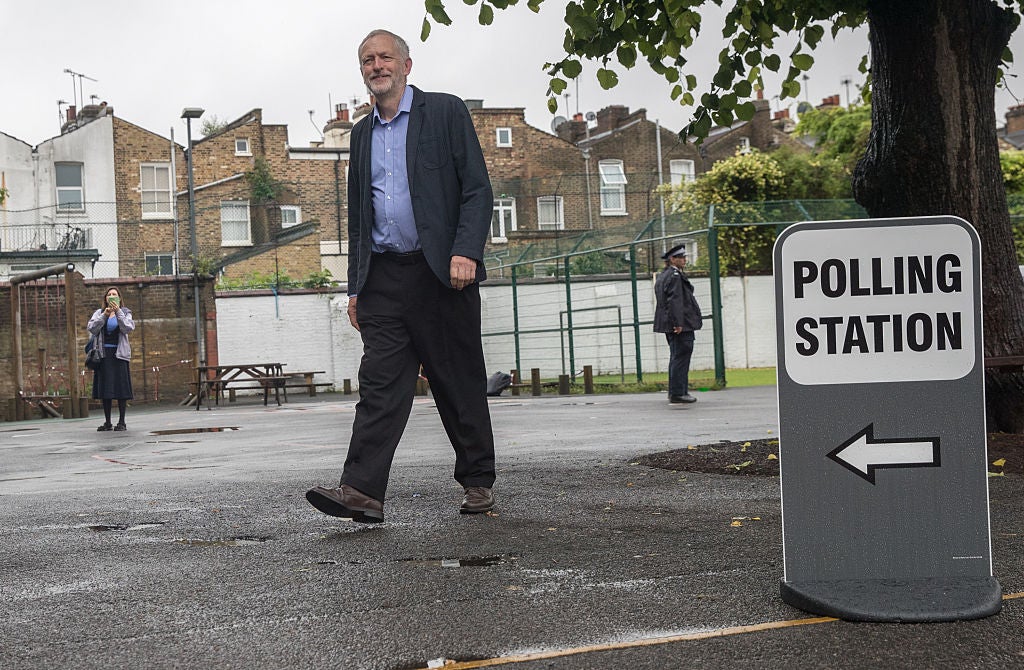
pixel 60 114
pixel 77 95
pixel 846 81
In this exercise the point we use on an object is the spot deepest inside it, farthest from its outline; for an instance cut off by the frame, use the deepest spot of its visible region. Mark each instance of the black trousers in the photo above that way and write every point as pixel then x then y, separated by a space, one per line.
pixel 680 349
pixel 407 317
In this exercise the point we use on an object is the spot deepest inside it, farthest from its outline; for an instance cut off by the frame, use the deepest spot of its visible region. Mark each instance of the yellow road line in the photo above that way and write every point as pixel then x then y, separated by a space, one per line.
pixel 720 632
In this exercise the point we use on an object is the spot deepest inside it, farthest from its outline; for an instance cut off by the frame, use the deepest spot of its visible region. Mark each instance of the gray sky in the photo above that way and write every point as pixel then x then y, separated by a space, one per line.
pixel 153 59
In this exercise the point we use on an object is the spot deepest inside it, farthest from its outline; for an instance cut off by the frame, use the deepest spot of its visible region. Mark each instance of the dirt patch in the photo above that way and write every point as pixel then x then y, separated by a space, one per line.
pixel 760 457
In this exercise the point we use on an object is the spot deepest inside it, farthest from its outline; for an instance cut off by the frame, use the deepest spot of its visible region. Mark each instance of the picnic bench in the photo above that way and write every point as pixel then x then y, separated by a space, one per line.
pixel 215 379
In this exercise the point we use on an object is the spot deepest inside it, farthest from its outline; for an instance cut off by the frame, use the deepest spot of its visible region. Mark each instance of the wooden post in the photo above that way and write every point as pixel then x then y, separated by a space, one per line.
pixel 588 379
pixel 563 384
pixel 515 382
pixel 71 313
pixel 346 385
pixel 535 381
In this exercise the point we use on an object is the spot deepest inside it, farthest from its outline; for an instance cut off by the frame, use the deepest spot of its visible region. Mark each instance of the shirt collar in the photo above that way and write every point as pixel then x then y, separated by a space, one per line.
pixel 404 105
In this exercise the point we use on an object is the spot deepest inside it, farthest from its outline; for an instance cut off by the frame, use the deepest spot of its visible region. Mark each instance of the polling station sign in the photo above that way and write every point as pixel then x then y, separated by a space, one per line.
pixel 882 420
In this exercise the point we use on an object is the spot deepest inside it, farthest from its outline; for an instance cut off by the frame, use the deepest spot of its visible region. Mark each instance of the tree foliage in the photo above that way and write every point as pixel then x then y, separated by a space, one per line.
pixel 263 186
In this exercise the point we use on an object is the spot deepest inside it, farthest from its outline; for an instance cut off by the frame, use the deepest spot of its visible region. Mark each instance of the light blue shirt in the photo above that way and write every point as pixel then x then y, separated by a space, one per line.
pixel 394 226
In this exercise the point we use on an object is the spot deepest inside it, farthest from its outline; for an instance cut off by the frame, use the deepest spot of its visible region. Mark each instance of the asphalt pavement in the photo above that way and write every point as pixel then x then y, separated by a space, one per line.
pixel 186 542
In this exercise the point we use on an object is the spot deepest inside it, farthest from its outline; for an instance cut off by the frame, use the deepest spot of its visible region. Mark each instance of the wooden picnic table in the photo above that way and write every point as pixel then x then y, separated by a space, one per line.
pixel 218 378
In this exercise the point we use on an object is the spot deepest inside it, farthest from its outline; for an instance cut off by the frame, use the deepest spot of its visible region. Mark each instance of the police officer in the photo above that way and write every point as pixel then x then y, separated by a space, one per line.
pixel 678 316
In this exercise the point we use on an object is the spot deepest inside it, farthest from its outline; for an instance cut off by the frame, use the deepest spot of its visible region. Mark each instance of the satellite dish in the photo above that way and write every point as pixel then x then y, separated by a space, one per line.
pixel 591 116
pixel 557 121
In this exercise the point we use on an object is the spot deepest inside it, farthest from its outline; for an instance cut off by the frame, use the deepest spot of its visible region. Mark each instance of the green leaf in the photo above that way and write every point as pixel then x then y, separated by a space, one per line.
pixel 534 5
pixel 752 58
pixel 425 30
pixel 727 101
pixel 743 88
pixel 626 55
pixel 436 10
pixel 677 91
pixel 773 62
pixel 572 68
pixel 803 61
pixel 687 99
pixel 813 35
pixel 723 78
pixel 557 85
pixel 691 82
pixel 552 105
pixel 486 17
pixel 671 75
pixel 618 19
pixel 607 78
pixel 745 111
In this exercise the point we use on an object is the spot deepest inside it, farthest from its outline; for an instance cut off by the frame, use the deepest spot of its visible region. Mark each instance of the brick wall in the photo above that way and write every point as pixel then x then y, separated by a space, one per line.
pixel 138 236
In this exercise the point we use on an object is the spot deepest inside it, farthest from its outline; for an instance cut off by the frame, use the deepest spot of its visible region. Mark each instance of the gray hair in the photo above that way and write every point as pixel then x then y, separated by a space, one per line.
pixel 403 47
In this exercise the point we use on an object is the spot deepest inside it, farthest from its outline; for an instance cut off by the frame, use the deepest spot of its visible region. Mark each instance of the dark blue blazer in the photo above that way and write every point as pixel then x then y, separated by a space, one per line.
pixel 451 193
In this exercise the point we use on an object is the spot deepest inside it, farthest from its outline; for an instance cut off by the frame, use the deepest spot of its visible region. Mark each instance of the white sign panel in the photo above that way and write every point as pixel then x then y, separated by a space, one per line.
pixel 874 304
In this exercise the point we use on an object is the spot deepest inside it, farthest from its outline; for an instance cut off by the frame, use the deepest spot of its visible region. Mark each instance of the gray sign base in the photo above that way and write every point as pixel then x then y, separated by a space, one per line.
pixel 896 600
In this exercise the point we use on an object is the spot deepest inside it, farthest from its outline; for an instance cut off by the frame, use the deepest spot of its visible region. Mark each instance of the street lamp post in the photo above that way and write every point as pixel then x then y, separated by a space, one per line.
pixel 188 114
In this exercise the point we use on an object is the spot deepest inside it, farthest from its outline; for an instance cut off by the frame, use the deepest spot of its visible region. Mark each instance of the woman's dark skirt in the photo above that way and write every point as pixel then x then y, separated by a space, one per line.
pixel 113 381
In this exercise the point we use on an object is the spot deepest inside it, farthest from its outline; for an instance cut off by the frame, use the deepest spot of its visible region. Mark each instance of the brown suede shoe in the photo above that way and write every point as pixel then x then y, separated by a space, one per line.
pixel 347 503
pixel 478 499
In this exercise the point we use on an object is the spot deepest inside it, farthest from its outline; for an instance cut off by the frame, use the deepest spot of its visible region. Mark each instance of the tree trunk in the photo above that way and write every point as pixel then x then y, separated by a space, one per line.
pixel 933 150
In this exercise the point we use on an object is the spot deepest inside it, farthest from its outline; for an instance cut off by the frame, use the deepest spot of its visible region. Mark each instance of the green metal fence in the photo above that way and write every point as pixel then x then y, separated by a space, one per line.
pixel 588 299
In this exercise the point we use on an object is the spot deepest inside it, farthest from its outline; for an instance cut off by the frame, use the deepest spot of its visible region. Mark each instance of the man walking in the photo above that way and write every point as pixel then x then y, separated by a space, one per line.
pixel 678 316
pixel 419 211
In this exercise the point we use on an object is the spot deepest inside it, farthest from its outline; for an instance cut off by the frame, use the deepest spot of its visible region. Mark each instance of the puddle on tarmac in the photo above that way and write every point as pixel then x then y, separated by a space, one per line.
pixel 468 562
pixel 101 528
pixel 17 430
pixel 185 431
pixel 228 542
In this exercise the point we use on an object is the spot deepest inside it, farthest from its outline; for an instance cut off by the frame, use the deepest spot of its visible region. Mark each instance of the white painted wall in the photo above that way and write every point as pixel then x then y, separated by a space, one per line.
pixel 310 331
pixel 306 331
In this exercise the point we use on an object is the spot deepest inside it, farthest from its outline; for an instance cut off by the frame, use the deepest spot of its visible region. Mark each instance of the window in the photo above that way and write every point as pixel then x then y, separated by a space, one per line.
pixel 70 194
pixel 159 264
pixel 242 146
pixel 156 190
pixel 504 137
pixel 291 215
pixel 549 213
pixel 744 147
pixel 234 223
pixel 613 187
pixel 503 221
pixel 681 172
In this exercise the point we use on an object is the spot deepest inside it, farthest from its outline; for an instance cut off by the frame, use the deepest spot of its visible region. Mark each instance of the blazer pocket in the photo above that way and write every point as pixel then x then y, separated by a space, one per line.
pixel 433 152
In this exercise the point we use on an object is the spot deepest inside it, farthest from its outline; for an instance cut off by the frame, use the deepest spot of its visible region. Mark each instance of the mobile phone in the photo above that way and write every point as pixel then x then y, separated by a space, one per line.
pixel 114 301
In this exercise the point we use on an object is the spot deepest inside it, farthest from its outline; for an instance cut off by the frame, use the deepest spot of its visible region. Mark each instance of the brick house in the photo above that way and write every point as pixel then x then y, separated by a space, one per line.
pixel 240 232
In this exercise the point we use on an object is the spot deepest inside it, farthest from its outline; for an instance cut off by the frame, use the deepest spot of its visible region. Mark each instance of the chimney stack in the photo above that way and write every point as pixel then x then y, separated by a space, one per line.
pixel 1015 119
pixel 341 112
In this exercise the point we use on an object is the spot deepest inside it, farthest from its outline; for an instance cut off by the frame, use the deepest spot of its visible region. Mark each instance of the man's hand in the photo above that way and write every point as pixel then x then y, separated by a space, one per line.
pixel 352 312
pixel 462 272
pixel 677 330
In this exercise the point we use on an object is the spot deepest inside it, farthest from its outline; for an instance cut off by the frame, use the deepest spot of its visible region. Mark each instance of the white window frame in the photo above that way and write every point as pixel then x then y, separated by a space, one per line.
pixel 559 222
pixel 169 256
pixel 503 137
pixel 297 210
pixel 165 207
pixel 235 241
pixel 73 206
pixel 246 150
pixel 613 187
pixel 744 146
pixel 504 213
pixel 678 175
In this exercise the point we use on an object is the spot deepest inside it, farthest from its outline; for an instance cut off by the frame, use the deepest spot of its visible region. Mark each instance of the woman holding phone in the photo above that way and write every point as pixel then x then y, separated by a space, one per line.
pixel 109 326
